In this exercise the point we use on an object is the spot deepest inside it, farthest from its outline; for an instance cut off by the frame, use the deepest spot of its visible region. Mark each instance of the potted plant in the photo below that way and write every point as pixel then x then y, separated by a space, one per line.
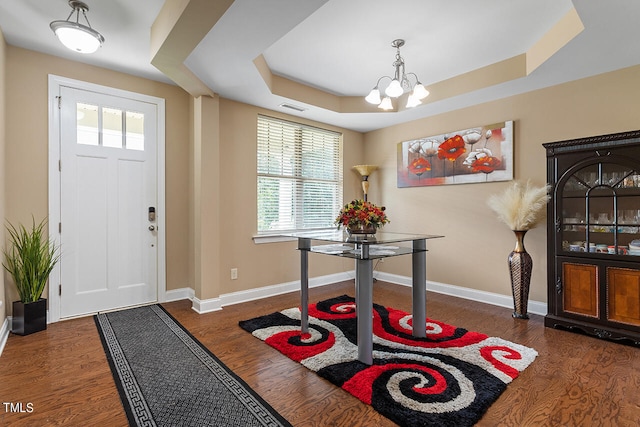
pixel 29 261
pixel 361 217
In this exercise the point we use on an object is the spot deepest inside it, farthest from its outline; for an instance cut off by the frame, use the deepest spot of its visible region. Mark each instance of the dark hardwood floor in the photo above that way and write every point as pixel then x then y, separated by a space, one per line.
pixel 63 375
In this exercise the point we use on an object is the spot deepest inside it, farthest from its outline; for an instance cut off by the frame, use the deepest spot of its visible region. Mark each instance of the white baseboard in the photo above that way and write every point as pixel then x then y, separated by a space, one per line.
pixel 206 306
pixel 4 333
pixel 269 291
pixel 198 305
pixel 535 307
pixel 216 304
pixel 179 294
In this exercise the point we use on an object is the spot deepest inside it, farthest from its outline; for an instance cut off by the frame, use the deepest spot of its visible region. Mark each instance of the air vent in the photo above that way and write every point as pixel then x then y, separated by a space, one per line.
pixel 293 107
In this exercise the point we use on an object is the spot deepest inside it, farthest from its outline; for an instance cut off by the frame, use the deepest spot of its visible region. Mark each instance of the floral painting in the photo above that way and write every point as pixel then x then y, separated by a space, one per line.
pixel 479 154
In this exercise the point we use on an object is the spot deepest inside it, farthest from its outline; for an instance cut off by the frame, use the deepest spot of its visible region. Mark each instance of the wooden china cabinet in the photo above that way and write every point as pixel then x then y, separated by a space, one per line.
pixel 593 236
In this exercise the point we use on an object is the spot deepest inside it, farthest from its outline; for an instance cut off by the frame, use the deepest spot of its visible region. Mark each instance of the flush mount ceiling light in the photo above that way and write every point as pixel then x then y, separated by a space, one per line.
pixel 74 35
pixel 398 85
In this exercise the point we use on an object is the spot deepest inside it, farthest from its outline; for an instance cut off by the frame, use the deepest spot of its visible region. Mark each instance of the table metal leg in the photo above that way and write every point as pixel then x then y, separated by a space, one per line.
pixel 419 267
pixel 304 245
pixel 364 309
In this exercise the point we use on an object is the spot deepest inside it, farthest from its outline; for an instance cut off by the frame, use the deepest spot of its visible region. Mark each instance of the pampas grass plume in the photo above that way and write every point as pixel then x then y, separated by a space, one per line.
pixel 521 205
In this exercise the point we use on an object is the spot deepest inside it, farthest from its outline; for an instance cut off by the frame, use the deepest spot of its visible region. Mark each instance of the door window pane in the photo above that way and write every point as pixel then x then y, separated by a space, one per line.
pixel 87 124
pixel 135 131
pixel 111 127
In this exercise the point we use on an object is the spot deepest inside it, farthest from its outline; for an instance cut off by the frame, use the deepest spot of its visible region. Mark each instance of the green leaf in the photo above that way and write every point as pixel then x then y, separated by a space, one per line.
pixel 30 259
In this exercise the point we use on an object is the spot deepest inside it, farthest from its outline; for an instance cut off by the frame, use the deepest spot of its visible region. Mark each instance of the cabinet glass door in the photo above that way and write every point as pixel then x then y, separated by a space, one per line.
pixel 600 211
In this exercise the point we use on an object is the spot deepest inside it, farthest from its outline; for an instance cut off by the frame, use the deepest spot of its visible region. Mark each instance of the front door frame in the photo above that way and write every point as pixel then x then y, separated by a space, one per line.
pixel 55 82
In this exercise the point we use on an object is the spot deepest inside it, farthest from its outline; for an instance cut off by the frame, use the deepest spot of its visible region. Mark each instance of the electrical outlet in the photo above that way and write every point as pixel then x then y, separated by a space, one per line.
pixel 234 273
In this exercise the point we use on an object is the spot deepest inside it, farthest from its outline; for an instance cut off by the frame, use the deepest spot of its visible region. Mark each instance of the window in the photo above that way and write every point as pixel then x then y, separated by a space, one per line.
pixel 299 176
pixel 98 125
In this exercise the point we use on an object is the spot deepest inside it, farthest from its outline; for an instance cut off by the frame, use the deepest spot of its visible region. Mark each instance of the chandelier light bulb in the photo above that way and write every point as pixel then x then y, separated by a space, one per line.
pixel 394 89
pixel 420 92
pixel 413 101
pixel 374 96
pixel 386 104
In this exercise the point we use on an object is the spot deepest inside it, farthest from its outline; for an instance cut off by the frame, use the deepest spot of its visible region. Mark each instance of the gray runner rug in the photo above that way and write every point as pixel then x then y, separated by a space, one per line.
pixel 165 377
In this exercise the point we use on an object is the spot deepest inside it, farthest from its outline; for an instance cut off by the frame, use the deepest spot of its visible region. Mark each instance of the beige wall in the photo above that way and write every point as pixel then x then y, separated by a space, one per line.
pixel 26 169
pixel 476 246
pixel 3 50
pixel 474 252
pixel 271 263
pixel 258 265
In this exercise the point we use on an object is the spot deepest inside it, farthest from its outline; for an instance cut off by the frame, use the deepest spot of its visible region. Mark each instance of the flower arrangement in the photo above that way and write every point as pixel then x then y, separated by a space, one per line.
pixel 521 205
pixel 361 214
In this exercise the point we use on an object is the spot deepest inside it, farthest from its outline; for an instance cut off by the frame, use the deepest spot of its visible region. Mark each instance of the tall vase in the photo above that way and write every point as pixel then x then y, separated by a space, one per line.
pixel 520 266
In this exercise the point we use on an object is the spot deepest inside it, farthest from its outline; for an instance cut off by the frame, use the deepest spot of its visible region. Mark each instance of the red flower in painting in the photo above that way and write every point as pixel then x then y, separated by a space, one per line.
pixel 486 164
pixel 452 148
pixel 419 166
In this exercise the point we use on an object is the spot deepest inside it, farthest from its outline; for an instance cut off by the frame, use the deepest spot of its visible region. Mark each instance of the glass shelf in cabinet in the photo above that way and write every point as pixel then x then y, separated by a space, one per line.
pixel 610 228
pixel 602 193
pixel 574 194
pixel 622 253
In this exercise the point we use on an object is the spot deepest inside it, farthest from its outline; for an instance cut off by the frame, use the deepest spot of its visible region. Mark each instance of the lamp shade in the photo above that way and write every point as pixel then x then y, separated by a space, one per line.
pixel 77 37
pixel 374 96
pixel 365 170
pixel 394 89
pixel 420 92
pixel 386 104
pixel 413 101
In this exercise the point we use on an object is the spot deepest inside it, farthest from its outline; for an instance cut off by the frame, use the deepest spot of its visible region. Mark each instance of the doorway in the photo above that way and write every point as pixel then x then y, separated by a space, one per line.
pixel 106 198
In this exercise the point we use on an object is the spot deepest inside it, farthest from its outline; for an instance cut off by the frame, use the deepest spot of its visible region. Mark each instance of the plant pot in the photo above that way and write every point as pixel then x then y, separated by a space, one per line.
pixel 362 229
pixel 29 317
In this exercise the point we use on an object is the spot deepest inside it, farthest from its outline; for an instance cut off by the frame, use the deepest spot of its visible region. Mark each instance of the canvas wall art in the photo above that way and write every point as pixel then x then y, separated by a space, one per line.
pixel 478 154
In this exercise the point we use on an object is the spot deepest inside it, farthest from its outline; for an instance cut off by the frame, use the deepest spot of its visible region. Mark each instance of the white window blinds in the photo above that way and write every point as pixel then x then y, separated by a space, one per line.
pixel 299 176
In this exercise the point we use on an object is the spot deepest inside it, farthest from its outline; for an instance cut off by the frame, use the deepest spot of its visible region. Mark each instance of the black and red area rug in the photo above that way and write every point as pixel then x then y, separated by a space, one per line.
pixel 449 378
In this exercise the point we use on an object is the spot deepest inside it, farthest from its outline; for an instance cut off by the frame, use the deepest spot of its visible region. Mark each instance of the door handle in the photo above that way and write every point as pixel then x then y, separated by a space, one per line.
pixel 152 227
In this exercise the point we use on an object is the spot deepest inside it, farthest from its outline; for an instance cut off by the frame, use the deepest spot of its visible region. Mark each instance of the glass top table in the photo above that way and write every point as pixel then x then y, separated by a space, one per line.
pixel 363 246
pixel 381 237
pixel 364 249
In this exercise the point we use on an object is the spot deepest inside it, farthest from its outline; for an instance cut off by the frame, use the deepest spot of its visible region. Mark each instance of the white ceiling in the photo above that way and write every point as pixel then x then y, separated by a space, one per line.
pixel 344 46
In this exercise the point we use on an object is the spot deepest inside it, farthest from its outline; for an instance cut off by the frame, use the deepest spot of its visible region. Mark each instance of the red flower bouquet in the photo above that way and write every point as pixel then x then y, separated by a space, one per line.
pixel 360 214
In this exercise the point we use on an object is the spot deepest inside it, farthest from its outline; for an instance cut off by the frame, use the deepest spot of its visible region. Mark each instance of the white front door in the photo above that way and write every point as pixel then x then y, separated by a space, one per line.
pixel 108 198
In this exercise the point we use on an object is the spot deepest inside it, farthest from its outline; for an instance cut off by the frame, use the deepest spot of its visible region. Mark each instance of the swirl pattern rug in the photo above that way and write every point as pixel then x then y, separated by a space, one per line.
pixel 449 378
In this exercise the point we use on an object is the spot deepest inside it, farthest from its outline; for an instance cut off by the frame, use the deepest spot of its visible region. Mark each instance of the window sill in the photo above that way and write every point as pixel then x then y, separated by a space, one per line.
pixel 274 238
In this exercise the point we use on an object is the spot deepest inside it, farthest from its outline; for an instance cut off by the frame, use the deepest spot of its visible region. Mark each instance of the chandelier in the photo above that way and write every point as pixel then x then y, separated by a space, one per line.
pixel 74 35
pixel 399 84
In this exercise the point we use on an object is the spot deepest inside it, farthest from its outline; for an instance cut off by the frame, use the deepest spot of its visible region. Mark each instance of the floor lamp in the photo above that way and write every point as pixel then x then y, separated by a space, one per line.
pixel 365 171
